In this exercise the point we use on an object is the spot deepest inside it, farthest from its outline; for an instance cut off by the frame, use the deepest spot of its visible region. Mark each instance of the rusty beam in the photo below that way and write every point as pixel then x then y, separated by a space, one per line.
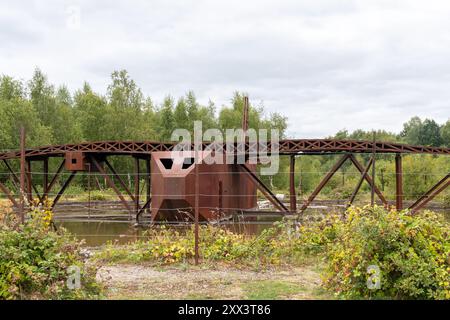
pixel 111 183
pixel 292 193
pixel 324 181
pixel 45 178
pixel 368 179
pixel 287 146
pixel 136 185
pixel 22 175
pixel 196 209
pixel 361 180
pixel 372 187
pixel 16 180
pixel 145 206
pixel 37 192
pixel 55 177
pixel 29 182
pixel 398 182
pixel 430 194
pixel 147 179
pixel 119 178
pixel 265 191
pixel 8 193
pixel 63 188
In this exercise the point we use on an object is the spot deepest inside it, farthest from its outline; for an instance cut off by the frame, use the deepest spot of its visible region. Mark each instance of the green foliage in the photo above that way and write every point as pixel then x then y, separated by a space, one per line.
pixel 34 262
pixel 418 132
pixel 412 253
pixel 167 246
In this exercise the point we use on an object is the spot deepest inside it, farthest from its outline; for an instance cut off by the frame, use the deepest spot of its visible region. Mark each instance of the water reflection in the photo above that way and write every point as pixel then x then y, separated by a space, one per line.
pixel 97 233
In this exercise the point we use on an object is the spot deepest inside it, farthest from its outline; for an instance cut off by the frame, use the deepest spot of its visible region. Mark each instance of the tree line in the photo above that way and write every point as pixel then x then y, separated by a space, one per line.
pixel 55 116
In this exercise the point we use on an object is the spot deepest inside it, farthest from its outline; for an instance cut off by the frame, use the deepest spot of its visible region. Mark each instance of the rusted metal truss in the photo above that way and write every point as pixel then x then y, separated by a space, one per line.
pixel 360 182
pixel 324 181
pixel 264 189
pixel 430 194
pixel 291 146
pixel 364 176
pixel 97 152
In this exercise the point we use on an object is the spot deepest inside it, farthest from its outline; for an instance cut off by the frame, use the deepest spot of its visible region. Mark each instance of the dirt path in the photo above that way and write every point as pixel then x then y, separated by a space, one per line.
pixel 146 282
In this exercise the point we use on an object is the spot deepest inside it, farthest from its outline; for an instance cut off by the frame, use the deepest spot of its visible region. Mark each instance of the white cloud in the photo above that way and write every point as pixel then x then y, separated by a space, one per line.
pixel 327 65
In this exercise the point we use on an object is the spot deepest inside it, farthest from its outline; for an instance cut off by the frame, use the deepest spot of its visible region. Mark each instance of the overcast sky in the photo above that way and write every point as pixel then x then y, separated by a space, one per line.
pixel 326 65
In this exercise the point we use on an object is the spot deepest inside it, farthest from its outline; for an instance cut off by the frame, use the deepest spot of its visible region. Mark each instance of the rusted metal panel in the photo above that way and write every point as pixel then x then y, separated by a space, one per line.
pixel 223 188
pixel 75 161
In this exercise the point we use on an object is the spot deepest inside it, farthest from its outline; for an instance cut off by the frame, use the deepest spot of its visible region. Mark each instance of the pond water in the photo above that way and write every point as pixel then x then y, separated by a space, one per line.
pixel 97 233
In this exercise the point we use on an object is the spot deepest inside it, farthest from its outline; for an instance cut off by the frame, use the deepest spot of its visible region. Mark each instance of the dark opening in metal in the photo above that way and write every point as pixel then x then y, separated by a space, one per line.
pixel 167 162
pixel 187 163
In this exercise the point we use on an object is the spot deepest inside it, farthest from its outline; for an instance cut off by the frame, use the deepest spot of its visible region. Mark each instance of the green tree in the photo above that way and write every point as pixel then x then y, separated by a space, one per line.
pixel 431 134
pixel 166 119
pixel 90 112
pixel 412 131
pixel 445 134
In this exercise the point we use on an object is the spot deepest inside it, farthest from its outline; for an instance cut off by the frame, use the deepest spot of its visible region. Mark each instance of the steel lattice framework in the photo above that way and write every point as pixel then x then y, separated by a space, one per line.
pixel 97 153
pixel 285 147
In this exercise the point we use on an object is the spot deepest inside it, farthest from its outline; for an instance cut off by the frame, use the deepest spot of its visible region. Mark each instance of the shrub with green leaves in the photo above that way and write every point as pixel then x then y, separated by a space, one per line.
pixel 34 262
pixel 411 252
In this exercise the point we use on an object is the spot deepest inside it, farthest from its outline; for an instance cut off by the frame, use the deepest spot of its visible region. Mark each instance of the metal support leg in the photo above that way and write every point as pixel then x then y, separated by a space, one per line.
pixel 361 180
pixel 324 181
pixel 292 194
pixel 369 179
pixel 6 191
pixel 136 185
pixel 111 184
pixel 265 190
pixel 55 177
pixel 119 178
pixel 29 182
pixel 63 188
pixel 148 180
pixel 398 182
pixel 430 194
pixel 45 180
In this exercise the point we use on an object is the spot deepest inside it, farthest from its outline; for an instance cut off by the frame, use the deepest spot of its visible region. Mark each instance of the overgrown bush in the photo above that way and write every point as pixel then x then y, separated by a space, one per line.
pixel 412 254
pixel 280 244
pixel 34 260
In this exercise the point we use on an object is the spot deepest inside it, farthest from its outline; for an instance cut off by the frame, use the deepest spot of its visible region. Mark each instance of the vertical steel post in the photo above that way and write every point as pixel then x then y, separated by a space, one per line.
pixel 197 190
pixel 22 174
pixel 136 184
pixel 292 195
pixel 89 190
pixel 398 182
pixel 372 191
pixel 147 181
pixel 45 178
pixel 29 182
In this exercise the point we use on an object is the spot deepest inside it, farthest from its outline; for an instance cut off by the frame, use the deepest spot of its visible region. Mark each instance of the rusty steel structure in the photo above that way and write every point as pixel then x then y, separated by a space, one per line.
pixel 186 188
pixel 175 176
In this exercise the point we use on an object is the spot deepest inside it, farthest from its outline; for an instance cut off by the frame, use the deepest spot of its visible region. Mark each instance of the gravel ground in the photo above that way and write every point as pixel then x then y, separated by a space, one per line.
pixel 218 282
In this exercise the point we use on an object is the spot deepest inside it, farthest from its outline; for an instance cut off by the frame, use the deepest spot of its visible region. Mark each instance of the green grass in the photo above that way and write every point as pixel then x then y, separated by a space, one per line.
pixel 270 289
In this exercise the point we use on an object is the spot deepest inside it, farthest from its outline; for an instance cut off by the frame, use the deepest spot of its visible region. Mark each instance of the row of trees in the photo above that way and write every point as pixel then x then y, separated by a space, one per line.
pixel 54 116
pixel 415 131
